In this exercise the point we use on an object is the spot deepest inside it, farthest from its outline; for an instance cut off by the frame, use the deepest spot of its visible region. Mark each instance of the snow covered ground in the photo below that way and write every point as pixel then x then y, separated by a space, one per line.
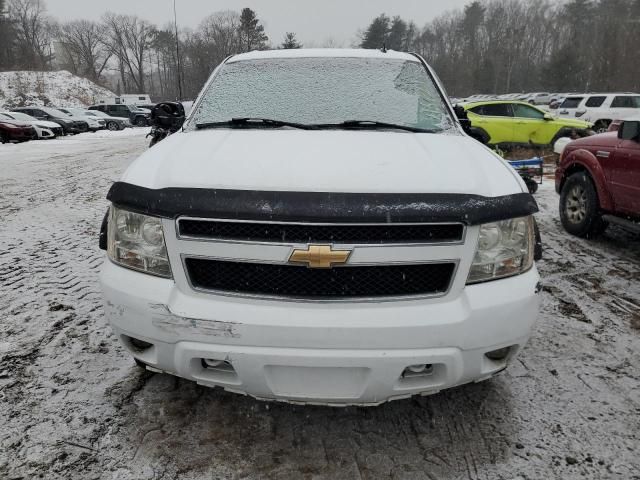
pixel 73 406
pixel 61 89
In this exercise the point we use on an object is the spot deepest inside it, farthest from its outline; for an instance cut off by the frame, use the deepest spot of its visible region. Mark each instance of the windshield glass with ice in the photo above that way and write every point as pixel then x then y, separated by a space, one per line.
pixel 328 90
pixel 54 112
pixel 21 116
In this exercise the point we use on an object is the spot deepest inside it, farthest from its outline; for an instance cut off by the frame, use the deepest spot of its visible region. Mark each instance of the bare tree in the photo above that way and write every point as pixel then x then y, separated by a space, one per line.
pixel 85 48
pixel 129 39
pixel 34 30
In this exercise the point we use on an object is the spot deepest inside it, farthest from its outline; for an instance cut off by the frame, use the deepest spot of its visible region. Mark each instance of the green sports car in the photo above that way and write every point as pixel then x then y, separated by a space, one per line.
pixel 518 123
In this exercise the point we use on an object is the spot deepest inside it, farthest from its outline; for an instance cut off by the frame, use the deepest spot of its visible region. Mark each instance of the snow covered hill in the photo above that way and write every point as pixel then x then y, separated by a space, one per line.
pixel 48 88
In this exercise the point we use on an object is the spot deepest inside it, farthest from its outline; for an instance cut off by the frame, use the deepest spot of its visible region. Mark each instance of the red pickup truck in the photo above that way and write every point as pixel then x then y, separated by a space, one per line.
pixel 598 179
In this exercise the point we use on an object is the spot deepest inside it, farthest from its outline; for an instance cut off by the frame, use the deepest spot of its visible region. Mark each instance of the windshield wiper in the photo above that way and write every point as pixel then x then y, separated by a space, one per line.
pixel 373 125
pixel 250 122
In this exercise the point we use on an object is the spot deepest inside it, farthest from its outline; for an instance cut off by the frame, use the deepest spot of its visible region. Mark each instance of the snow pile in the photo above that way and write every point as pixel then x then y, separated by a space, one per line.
pixel 19 89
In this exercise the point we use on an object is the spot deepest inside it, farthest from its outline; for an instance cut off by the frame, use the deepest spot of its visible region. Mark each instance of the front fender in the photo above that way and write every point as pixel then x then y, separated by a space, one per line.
pixel 585 160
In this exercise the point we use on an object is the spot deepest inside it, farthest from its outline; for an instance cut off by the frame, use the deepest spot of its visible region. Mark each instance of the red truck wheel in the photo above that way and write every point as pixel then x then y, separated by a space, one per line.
pixel 579 207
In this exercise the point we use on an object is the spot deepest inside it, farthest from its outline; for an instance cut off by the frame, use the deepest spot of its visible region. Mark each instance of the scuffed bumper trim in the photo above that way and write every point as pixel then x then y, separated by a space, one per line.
pixel 321 206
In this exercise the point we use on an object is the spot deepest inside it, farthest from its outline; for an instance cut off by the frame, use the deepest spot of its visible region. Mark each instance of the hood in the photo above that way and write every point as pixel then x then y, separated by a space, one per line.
pixel 46 124
pixel 324 161
pixel 608 139
pixel 77 118
pixel 17 123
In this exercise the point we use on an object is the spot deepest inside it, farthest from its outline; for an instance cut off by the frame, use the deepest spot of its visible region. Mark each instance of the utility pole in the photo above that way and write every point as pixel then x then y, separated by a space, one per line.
pixel 178 63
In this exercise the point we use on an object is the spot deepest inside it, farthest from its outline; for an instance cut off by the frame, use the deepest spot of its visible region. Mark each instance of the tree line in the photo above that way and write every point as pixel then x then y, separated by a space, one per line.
pixel 490 46
pixel 510 46
pixel 129 53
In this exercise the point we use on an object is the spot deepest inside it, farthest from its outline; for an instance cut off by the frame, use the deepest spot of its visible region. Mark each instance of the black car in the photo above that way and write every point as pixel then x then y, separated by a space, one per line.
pixel 69 126
pixel 137 117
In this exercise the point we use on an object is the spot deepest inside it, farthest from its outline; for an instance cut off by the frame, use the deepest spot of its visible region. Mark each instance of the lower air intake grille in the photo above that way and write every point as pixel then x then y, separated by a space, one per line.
pixel 337 283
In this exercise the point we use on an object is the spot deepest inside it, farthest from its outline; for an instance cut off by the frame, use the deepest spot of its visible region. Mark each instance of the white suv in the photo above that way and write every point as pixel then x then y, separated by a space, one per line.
pixel 322 231
pixel 600 108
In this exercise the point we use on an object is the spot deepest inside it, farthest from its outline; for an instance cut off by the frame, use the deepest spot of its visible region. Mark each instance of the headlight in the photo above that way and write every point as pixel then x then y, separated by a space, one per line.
pixel 42 126
pixel 136 241
pixel 504 249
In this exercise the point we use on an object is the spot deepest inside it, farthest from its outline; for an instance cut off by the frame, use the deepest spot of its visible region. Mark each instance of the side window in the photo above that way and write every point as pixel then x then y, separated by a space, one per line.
pixel 626 102
pixel 141 98
pixel 595 102
pixel 571 102
pixel 525 111
pixel 493 110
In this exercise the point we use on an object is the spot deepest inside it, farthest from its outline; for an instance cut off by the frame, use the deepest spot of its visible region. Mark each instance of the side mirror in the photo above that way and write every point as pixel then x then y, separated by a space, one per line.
pixel 629 130
pixel 548 117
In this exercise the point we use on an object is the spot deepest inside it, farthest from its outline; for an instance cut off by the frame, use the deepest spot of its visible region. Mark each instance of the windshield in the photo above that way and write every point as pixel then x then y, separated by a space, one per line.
pixel 325 90
pixel 21 116
pixel 74 111
pixel 572 102
pixel 53 112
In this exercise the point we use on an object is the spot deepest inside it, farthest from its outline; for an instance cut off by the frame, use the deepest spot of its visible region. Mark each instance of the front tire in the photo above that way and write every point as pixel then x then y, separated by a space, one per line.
pixel 580 208
pixel 4 138
pixel 112 127
pixel 141 122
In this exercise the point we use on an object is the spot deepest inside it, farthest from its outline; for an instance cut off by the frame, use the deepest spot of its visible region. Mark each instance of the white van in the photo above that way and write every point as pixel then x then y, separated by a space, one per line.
pixel 130 99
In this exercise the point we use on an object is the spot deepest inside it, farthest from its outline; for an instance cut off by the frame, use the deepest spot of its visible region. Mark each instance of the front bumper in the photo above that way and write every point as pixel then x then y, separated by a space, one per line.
pixel 330 354
pixel 21 134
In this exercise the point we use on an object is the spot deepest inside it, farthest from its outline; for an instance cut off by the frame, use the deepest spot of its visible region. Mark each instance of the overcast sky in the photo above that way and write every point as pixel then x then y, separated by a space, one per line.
pixel 313 21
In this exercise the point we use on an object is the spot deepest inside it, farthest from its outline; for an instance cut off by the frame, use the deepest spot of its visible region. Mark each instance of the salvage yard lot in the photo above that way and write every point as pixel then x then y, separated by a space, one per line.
pixel 73 406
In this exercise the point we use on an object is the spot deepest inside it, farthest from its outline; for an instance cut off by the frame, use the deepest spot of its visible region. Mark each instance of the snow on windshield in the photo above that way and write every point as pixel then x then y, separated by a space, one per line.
pixel 325 90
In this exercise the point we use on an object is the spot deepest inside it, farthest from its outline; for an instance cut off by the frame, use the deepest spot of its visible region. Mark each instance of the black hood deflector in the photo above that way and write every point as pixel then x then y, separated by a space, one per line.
pixel 321 206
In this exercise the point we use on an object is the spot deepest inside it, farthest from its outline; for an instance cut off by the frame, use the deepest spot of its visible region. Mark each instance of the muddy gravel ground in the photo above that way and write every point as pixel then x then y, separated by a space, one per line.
pixel 74 406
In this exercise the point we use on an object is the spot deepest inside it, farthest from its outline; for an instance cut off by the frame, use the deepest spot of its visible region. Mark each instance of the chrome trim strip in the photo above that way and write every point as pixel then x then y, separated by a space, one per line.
pixel 189 238
pixel 276 298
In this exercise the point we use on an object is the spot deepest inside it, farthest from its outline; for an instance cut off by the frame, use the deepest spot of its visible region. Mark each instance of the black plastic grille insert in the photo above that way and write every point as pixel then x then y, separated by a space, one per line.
pixel 336 283
pixel 310 233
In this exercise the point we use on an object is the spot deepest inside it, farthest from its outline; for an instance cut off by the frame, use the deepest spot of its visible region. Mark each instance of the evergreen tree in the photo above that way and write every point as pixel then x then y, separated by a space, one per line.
pixel 290 41
pixel 252 36
pixel 376 35
pixel 396 39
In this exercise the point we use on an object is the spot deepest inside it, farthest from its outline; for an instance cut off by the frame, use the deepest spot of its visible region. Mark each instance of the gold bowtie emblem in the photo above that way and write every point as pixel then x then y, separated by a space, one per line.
pixel 320 256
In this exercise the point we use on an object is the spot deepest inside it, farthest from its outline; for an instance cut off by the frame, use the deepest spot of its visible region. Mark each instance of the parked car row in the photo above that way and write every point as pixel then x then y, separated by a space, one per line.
pixel 597 108
pixel 41 123
pixel 507 123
